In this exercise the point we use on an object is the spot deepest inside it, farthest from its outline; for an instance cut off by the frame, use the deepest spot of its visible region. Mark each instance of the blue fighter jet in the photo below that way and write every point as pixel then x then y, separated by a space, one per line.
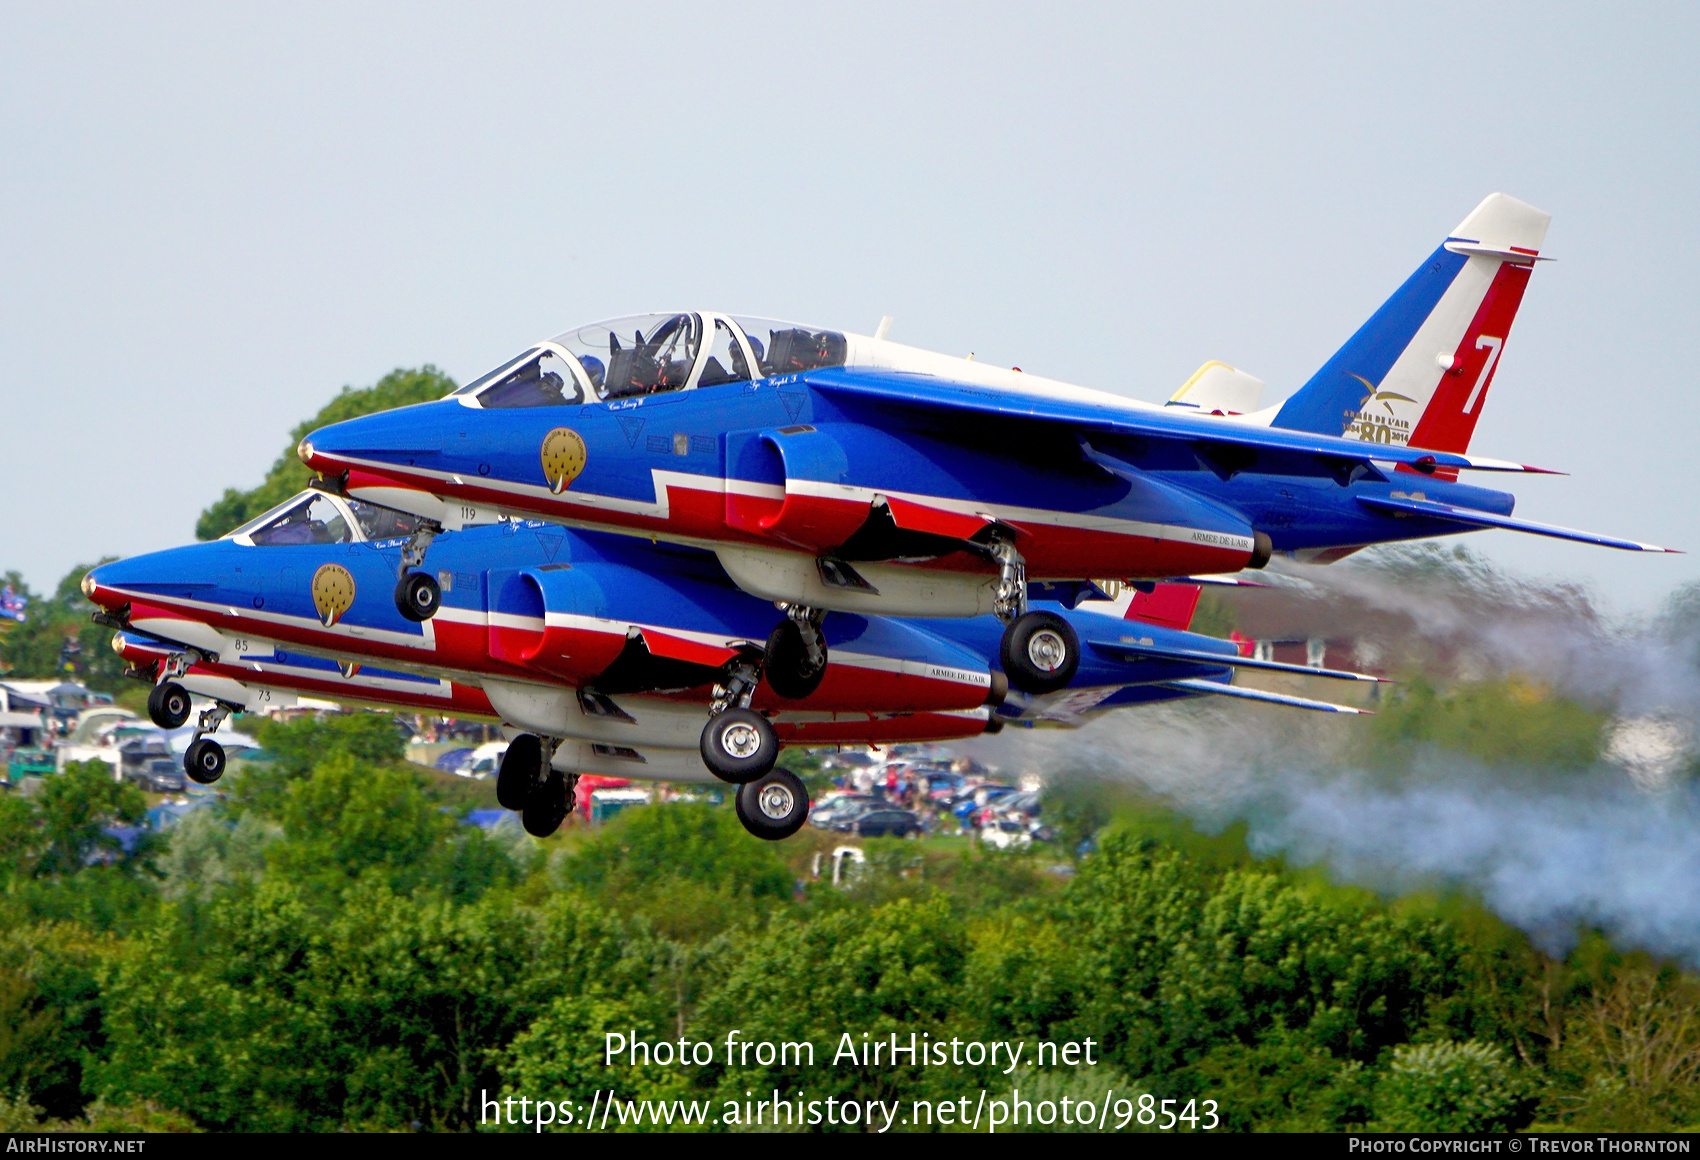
pixel 836 472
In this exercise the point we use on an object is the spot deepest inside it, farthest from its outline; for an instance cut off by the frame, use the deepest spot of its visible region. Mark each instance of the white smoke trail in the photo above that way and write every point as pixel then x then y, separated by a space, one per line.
pixel 1616 847
pixel 1551 856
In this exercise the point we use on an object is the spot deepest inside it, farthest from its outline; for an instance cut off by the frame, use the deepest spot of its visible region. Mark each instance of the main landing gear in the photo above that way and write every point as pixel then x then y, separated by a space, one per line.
pixel 795 662
pixel 417 594
pixel 774 806
pixel 525 783
pixel 1040 651
pixel 738 744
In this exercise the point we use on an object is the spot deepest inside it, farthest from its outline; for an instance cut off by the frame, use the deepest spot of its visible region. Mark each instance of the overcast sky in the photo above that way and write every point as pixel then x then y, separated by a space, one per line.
pixel 213 217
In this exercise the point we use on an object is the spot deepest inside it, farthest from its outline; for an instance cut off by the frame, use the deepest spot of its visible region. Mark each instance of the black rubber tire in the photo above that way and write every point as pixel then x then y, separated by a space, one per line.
pixel 739 745
pixel 520 772
pixel 773 807
pixel 546 808
pixel 786 664
pixel 417 596
pixel 168 705
pixel 1040 652
pixel 204 762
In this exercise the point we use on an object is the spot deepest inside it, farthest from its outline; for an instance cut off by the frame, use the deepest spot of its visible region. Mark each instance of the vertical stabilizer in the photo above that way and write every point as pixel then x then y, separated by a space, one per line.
pixel 1418 372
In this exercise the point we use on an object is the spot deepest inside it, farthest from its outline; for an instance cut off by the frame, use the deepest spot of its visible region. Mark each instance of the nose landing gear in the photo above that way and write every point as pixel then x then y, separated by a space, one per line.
pixel 1040 651
pixel 204 761
pixel 417 594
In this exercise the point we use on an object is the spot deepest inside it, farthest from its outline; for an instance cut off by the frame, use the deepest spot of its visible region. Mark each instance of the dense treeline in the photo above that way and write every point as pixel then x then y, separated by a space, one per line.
pixel 330 946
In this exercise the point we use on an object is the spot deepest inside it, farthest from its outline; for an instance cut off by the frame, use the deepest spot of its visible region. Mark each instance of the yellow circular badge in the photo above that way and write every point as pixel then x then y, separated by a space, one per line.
pixel 563 458
pixel 333 592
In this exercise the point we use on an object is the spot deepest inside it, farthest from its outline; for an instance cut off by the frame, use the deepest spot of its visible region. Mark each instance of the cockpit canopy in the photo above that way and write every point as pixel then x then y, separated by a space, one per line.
pixel 647 354
pixel 313 517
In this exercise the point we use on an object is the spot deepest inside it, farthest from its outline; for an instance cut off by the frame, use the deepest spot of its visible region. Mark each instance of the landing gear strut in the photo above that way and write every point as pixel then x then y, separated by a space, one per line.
pixel 417 594
pixel 774 806
pixel 796 658
pixel 204 761
pixel 738 745
pixel 525 783
pixel 1040 651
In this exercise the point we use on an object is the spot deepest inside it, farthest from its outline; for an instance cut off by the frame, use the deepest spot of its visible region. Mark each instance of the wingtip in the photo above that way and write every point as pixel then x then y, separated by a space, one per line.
pixel 1532 470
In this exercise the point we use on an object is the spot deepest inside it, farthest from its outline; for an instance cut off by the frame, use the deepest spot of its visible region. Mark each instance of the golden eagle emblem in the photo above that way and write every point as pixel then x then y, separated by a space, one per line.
pixel 563 458
pixel 333 592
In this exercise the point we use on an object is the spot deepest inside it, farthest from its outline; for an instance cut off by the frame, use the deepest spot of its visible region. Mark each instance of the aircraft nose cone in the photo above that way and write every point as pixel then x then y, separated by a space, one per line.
pixel 404 432
pixel 123 581
pixel 101 585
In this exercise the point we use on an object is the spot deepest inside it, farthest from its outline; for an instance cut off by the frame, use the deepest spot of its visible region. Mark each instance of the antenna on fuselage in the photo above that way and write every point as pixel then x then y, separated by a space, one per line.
pixel 883 329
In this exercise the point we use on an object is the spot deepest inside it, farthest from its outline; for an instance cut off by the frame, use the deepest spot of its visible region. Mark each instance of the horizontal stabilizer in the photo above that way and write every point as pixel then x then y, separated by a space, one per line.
pixel 1479 519
pixel 1133 651
pixel 1268 698
pixel 1219 581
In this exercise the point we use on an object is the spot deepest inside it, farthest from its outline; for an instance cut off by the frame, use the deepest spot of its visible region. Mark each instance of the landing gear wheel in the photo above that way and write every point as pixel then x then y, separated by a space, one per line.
pixel 787 666
pixel 418 597
pixel 1040 652
pixel 520 772
pixel 168 705
pixel 547 807
pixel 739 746
pixel 204 762
pixel 773 807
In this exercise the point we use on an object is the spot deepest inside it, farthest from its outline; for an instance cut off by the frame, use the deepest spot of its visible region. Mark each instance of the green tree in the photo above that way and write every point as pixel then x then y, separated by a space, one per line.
pixel 58 639
pixel 1450 1087
pixel 350 819
pixel 79 810
pixel 298 745
pixel 895 968
pixel 288 475
pixel 662 846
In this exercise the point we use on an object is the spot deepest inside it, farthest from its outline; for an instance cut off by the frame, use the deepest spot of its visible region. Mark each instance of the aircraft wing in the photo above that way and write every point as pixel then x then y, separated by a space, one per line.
pixel 1199 432
pixel 1135 650
pixel 1221 690
pixel 1478 519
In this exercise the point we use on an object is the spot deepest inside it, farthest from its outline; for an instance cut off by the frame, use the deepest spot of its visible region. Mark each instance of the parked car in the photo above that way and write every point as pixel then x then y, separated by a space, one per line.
pixel 883 822
pixel 1006 833
pixel 979 797
pixel 841 807
pixel 160 775
pixel 480 763
pixel 147 760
